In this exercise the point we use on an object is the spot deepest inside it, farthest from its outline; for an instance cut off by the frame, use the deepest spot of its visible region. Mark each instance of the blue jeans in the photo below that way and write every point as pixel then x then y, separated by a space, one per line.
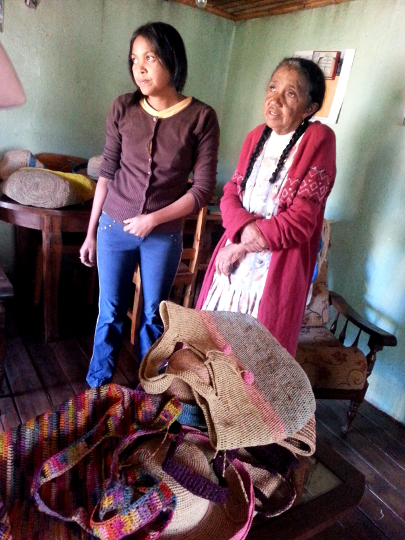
pixel 118 252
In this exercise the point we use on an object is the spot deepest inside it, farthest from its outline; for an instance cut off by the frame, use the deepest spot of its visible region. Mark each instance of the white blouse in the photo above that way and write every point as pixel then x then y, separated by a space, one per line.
pixel 242 289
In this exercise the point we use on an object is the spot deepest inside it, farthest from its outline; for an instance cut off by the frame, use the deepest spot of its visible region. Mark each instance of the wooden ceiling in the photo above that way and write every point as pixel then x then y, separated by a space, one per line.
pixel 239 10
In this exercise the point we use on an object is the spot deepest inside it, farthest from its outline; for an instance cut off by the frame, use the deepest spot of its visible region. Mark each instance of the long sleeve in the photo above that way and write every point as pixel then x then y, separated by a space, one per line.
pixel 234 216
pixel 310 181
pixel 205 158
pixel 112 147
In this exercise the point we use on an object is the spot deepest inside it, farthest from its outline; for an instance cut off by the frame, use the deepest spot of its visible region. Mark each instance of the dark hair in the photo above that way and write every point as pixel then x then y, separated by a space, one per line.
pixel 168 46
pixel 315 82
pixel 313 77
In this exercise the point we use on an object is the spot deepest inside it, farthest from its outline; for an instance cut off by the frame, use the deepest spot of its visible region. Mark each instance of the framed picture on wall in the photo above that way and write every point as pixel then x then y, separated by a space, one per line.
pixel 336 66
pixel 328 62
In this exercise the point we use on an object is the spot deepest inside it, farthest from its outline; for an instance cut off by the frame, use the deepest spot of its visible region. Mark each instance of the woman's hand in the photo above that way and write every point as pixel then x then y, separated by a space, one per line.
pixel 140 225
pixel 88 251
pixel 226 256
pixel 252 239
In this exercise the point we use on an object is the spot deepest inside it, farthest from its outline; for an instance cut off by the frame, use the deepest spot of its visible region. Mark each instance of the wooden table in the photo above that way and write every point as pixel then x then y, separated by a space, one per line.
pixel 333 488
pixel 52 223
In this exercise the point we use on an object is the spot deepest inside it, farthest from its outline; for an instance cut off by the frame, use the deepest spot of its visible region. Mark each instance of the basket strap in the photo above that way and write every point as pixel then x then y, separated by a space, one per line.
pixel 195 483
pixel 166 418
pixel 275 458
pixel 131 515
pixel 279 462
pixel 66 459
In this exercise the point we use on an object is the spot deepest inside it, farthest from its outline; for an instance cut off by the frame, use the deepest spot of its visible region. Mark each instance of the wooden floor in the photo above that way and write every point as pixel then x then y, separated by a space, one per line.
pixel 39 377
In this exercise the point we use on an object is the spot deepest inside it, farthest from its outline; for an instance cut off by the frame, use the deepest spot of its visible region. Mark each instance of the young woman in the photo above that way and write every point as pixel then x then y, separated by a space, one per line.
pixel 273 208
pixel 155 138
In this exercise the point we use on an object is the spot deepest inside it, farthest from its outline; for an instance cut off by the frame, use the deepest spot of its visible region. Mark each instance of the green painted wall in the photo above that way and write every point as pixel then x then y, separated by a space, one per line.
pixel 367 262
pixel 71 57
pixel 72 60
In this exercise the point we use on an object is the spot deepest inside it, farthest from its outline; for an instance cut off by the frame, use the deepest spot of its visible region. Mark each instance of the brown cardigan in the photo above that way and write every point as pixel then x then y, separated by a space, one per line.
pixel 149 160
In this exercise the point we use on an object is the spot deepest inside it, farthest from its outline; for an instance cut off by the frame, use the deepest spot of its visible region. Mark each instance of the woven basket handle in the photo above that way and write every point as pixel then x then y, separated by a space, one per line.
pixel 274 458
pixel 278 461
pixel 165 419
pixel 64 460
pixel 130 516
pixel 195 483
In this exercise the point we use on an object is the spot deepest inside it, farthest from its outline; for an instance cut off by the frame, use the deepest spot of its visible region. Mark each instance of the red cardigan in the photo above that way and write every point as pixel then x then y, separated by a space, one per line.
pixel 293 235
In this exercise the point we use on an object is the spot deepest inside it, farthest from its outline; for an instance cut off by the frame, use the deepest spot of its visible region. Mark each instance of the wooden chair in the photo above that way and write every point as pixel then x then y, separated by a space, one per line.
pixel 72 241
pixel 185 277
pixel 337 371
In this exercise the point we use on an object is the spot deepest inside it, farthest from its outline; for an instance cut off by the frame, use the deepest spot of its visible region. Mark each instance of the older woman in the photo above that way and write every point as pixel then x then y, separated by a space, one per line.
pixel 273 208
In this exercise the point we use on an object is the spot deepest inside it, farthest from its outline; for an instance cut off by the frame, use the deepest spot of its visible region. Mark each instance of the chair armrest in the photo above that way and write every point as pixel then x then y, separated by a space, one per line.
pixel 377 335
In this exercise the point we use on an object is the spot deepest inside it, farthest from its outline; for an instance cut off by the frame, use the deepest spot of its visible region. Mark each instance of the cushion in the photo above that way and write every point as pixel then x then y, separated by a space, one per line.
pixel 317 310
pixel 82 184
pixel 93 166
pixel 13 160
pixel 319 335
pixel 328 363
pixel 40 188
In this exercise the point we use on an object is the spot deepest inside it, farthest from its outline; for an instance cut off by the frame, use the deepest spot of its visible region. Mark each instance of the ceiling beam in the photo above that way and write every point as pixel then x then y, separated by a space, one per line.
pixel 235 10
pixel 208 8
pixel 283 8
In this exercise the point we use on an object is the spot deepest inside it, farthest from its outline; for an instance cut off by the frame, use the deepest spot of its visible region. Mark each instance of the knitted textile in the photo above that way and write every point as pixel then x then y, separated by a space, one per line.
pixel 207 508
pixel 62 460
pixel 48 189
pixel 303 442
pixel 257 395
pixel 83 186
pixel 13 160
pixel 270 468
pixel 93 166
pixel 36 187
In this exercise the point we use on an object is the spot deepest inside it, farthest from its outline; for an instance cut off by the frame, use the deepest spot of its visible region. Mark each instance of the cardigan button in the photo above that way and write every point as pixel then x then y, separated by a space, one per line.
pixel 154 119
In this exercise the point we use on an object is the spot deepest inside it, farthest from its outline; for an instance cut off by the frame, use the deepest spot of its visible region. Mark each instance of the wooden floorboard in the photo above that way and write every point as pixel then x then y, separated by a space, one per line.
pixel 371 453
pixel 49 371
pixel 393 448
pixel 381 515
pixel 392 427
pixel 73 363
pixel 128 363
pixel 25 385
pixel 357 526
pixel 9 417
pixel 336 532
pixel 374 480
